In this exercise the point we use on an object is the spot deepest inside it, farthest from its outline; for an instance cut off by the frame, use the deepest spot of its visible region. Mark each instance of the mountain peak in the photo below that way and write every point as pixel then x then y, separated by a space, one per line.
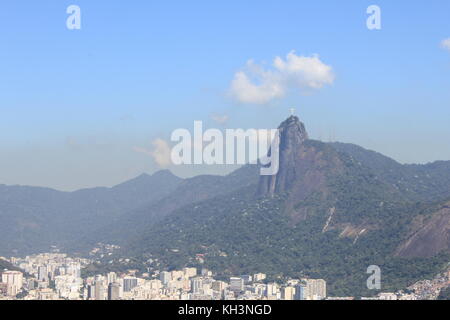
pixel 292 130
pixel 292 136
pixel 291 118
pixel 165 174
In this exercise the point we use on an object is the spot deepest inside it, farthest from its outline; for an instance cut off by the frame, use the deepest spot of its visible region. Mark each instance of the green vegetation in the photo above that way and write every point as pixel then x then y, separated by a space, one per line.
pixel 238 238
pixel 238 234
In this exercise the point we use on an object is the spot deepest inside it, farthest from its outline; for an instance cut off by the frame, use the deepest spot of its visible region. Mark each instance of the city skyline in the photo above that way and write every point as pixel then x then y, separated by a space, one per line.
pixel 57 276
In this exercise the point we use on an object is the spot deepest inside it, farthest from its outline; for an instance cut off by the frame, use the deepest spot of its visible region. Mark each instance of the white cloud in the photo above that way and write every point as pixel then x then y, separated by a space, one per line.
pixel 305 72
pixel 160 153
pixel 258 86
pixel 269 85
pixel 446 44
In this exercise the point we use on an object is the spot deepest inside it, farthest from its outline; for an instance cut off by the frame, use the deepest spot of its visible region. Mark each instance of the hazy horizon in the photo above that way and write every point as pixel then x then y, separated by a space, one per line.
pixel 187 171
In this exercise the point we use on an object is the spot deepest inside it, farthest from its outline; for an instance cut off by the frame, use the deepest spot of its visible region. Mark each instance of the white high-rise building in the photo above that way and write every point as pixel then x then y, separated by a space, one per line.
pixel 271 290
pixel 316 289
pixel 100 292
pixel 14 282
pixel 74 269
pixel 129 283
pixel 42 273
pixel 111 277
pixel 287 293
pixel 197 286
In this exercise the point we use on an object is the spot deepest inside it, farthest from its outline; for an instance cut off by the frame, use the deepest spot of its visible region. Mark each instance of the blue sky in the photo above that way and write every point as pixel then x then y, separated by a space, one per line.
pixel 75 103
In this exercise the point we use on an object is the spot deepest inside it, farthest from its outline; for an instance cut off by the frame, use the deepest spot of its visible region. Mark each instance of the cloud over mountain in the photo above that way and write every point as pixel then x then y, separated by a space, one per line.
pixel 160 152
pixel 256 85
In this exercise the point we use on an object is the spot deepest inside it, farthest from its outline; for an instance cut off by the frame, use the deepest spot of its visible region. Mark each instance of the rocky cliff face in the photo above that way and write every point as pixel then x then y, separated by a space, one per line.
pixel 430 235
pixel 319 181
pixel 292 136
pixel 305 167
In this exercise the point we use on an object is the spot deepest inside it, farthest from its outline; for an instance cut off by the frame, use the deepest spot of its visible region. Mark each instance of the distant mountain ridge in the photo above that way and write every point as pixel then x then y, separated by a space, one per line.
pixel 427 182
pixel 33 218
pixel 188 192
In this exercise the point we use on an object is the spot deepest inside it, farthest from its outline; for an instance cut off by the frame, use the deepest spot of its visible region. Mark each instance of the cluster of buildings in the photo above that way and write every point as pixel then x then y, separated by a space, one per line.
pixel 53 276
pixel 189 284
pixel 400 295
pixel 430 289
pixel 56 276
pixel 421 290
pixel 12 283
pixel 47 276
